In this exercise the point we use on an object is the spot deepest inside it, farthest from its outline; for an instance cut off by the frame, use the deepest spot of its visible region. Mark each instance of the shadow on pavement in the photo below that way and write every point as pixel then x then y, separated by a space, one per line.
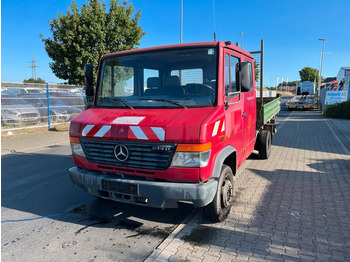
pixel 39 184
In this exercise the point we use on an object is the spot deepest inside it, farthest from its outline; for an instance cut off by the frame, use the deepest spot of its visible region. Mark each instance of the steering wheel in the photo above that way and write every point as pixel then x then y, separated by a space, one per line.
pixel 199 87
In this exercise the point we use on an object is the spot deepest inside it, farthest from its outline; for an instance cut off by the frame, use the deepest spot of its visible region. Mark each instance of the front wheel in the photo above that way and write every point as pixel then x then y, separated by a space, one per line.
pixel 219 209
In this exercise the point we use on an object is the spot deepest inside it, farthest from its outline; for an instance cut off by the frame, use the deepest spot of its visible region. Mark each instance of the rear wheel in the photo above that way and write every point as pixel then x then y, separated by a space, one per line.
pixel 265 141
pixel 219 209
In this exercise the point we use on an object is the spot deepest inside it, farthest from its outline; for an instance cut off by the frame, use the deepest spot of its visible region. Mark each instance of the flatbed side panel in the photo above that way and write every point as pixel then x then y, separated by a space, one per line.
pixel 267 111
pixel 271 109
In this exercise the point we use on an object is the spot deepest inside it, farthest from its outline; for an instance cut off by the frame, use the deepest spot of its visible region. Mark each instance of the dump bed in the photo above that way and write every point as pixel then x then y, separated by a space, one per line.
pixel 266 110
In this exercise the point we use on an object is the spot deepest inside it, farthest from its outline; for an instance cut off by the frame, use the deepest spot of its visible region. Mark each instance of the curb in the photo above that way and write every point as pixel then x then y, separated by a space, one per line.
pixel 169 246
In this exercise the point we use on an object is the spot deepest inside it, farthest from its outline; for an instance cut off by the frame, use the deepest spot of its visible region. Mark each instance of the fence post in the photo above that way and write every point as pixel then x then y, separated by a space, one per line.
pixel 48 105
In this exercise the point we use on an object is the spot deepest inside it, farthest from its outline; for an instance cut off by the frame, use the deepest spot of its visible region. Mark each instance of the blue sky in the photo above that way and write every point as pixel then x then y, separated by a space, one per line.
pixel 290 29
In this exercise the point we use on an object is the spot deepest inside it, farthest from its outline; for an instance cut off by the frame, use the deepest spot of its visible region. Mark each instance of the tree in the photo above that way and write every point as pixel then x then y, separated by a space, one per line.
pixel 36 81
pixel 308 74
pixel 82 37
pixel 257 71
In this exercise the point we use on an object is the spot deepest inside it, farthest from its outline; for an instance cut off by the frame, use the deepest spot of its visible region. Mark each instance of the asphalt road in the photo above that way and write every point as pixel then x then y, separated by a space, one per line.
pixel 46 218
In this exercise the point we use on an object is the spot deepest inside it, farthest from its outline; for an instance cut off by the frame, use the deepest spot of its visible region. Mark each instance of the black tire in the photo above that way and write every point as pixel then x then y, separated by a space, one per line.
pixel 219 209
pixel 265 141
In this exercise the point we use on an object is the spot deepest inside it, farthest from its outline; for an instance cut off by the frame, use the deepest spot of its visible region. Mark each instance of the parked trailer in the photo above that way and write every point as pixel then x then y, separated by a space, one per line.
pixel 171 124
pixel 302 102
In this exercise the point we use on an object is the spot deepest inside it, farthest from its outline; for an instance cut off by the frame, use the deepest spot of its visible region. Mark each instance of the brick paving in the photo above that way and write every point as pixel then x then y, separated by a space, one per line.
pixel 294 206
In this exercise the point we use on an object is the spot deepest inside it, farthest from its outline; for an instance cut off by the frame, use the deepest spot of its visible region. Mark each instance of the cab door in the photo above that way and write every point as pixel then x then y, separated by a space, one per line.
pixel 234 105
pixel 248 98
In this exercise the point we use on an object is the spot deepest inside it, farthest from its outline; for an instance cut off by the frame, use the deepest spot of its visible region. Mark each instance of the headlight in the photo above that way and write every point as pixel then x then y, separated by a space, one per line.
pixel 76 147
pixel 11 112
pixel 61 111
pixel 194 157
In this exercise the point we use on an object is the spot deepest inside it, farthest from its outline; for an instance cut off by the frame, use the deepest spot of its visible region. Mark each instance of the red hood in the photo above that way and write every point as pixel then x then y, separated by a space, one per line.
pixel 160 125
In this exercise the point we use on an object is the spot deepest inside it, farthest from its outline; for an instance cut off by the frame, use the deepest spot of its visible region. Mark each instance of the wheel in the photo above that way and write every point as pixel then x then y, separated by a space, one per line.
pixel 219 209
pixel 265 144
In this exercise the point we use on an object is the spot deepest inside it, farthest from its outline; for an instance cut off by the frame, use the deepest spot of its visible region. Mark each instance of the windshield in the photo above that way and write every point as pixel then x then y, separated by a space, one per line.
pixel 181 78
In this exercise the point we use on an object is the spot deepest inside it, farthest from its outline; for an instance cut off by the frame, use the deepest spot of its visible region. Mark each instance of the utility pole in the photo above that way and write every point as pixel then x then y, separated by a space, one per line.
pixel 214 20
pixel 33 66
pixel 181 23
pixel 320 72
pixel 241 33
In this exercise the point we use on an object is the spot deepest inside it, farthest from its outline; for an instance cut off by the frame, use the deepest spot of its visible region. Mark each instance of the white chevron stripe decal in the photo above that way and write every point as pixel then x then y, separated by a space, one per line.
pixel 216 127
pixel 138 132
pixel 102 131
pixel 223 126
pixel 87 129
pixel 159 132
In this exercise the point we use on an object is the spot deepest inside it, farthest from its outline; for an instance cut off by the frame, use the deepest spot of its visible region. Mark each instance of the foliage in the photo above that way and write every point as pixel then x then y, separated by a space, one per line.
pixel 257 71
pixel 341 110
pixel 82 37
pixel 292 83
pixel 36 81
pixel 309 74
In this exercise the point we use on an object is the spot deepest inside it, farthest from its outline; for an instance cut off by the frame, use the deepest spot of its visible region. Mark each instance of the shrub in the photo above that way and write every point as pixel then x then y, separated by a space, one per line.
pixel 341 110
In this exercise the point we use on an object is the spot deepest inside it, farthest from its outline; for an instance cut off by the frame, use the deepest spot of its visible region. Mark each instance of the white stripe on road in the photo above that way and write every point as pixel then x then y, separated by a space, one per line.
pixel 102 131
pixel 87 129
pixel 138 132
pixel 159 132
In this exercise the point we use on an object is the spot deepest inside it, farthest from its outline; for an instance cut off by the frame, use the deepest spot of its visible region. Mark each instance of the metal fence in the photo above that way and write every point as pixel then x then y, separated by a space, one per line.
pixel 39 105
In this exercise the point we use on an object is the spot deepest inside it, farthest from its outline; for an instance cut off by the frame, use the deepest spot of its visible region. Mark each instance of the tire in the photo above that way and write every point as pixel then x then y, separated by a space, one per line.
pixel 265 141
pixel 219 209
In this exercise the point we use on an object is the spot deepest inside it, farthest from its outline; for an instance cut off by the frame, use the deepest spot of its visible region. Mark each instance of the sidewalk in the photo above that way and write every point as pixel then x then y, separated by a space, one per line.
pixel 295 206
pixel 28 142
pixel 342 128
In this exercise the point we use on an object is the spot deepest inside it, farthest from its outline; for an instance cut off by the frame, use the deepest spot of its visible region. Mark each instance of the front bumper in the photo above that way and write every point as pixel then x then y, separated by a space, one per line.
pixel 140 192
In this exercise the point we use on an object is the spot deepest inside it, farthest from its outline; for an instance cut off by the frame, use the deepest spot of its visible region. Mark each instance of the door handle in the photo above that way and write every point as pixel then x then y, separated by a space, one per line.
pixel 244 114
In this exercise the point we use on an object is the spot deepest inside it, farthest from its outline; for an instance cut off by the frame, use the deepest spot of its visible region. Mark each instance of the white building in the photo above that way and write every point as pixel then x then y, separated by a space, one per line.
pixel 343 72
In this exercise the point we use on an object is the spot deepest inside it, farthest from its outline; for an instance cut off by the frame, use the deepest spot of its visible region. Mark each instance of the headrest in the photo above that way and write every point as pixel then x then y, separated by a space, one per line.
pixel 153 82
pixel 172 81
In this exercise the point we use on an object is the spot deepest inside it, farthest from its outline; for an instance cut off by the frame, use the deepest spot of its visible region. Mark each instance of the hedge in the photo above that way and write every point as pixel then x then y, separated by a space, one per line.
pixel 341 110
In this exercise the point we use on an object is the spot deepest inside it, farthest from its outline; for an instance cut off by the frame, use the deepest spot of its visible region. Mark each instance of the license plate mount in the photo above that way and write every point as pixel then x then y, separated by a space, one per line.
pixel 120 187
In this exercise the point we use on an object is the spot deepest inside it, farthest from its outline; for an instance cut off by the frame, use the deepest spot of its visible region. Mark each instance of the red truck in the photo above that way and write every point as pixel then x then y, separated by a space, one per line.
pixel 171 124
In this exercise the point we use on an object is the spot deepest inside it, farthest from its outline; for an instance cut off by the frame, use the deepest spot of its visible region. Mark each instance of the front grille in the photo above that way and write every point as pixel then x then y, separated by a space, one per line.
pixel 141 155
pixel 29 115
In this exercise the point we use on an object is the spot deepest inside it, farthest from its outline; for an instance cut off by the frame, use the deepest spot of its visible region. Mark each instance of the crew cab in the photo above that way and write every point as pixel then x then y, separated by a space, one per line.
pixel 171 124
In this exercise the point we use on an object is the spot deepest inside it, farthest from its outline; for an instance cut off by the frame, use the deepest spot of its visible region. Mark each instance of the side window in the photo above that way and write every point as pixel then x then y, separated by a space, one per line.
pixel 231 63
pixel 234 64
pixel 117 81
pixel 150 78
pixel 227 74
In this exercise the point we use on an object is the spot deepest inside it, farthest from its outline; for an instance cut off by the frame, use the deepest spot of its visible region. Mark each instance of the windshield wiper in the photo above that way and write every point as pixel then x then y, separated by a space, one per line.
pixel 120 100
pixel 163 100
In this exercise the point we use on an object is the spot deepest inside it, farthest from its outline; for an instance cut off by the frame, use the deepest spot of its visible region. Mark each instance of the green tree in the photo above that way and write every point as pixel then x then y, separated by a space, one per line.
pixel 82 36
pixel 308 74
pixel 257 70
pixel 36 81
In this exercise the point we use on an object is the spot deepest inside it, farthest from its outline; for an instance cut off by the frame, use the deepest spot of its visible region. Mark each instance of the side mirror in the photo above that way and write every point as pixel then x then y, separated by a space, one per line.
pixel 246 76
pixel 89 80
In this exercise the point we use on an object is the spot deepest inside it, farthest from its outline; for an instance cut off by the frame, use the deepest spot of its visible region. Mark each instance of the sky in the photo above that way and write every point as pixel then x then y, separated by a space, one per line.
pixel 290 29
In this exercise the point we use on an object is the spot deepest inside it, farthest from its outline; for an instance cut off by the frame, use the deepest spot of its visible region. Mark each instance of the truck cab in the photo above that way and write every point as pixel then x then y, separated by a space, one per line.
pixel 168 125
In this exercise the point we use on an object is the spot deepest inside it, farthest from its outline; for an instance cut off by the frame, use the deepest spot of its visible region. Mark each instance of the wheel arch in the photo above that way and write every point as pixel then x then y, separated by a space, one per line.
pixel 227 156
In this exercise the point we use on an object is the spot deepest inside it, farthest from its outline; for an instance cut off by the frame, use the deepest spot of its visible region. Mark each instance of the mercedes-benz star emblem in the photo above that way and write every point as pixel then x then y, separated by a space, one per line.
pixel 121 153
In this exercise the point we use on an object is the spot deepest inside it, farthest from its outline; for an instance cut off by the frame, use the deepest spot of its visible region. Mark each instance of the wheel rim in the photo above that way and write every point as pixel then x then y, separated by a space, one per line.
pixel 226 193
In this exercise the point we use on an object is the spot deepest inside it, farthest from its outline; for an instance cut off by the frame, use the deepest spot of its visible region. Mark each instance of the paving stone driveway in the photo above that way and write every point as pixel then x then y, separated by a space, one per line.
pixel 294 206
